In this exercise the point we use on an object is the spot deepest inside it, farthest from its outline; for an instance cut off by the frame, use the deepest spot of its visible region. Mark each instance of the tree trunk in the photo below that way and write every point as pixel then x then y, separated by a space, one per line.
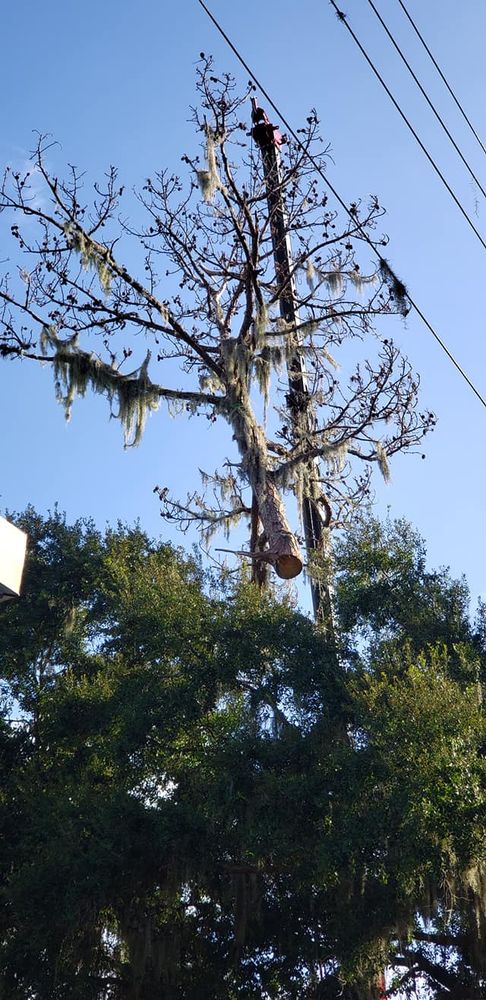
pixel 283 551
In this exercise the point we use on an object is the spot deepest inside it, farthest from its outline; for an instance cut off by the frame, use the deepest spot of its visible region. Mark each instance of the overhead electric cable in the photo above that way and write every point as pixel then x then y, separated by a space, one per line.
pixel 337 196
pixel 443 78
pixel 427 98
pixel 343 18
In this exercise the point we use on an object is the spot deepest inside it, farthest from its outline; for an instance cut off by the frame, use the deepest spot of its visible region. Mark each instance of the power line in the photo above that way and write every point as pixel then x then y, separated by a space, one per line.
pixel 342 17
pixel 443 78
pixel 427 98
pixel 336 194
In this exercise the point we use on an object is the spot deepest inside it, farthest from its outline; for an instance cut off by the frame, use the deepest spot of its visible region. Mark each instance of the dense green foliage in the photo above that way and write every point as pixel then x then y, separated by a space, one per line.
pixel 197 804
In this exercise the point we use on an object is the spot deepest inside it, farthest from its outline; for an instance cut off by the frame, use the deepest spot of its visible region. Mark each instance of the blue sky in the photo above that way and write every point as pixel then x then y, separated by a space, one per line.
pixel 113 83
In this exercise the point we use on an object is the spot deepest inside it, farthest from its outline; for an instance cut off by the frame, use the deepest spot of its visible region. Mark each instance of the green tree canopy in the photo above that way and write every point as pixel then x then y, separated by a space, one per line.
pixel 197 804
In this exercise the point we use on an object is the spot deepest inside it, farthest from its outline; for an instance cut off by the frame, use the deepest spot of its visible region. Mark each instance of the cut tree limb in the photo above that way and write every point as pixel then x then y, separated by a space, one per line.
pixel 283 551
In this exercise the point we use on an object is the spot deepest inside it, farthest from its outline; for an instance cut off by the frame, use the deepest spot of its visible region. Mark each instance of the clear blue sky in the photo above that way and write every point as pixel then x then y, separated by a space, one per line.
pixel 113 81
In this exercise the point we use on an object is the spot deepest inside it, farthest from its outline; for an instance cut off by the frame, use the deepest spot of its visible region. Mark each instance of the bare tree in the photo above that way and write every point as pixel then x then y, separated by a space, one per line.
pixel 219 335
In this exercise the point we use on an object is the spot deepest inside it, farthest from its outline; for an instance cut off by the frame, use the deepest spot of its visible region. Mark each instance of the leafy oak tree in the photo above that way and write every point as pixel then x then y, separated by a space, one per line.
pixel 196 804
pixel 208 303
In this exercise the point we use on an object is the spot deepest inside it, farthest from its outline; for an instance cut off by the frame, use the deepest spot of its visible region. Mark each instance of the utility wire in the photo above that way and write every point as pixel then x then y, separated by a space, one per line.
pixel 337 196
pixel 427 98
pixel 443 78
pixel 343 18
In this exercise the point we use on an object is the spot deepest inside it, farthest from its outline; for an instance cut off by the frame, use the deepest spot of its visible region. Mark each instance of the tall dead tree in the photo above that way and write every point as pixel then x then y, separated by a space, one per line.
pixel 299 400
pixel 213 314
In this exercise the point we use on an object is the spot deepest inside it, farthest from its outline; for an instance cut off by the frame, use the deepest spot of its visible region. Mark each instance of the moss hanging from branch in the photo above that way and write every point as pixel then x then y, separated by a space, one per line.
pixel 275 355
pixel 291 332
pixel 334 280
pixel 271 358
pixel 383 461
pixel 260 324
pixel 468 890
pixel 310 274
pixel 209 180
pixel 262 370
pixel 301 489
pixel 360 280
pixel 210 383
pixel 136 399
pixel 75 371
pixel 336 455
pixel 236 361
pixel 90 257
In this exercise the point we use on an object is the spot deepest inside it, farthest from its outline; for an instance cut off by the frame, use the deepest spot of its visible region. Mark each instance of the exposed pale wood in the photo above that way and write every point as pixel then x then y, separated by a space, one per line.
pixel 283 550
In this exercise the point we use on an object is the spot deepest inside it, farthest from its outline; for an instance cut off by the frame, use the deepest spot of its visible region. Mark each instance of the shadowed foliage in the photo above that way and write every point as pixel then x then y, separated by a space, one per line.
pixel 196 804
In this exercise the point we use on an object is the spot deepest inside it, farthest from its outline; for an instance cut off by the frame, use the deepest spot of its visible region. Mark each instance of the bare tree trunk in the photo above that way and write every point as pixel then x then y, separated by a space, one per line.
pixel 283 550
